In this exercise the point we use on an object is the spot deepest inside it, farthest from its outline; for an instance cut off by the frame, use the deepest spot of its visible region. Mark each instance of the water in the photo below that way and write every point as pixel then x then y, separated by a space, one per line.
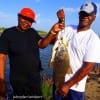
pixel 45 55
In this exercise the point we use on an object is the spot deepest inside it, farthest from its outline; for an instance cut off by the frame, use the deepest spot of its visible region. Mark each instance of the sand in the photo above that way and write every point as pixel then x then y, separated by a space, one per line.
pixel 93 86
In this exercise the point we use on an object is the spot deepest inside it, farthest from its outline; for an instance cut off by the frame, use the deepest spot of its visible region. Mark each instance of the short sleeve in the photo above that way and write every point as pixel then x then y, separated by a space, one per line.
pixel 38 36
pixel 4 43
pixel 93 51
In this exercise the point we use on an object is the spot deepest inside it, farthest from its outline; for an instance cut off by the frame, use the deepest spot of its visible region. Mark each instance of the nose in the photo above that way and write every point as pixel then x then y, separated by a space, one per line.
pixel 26 22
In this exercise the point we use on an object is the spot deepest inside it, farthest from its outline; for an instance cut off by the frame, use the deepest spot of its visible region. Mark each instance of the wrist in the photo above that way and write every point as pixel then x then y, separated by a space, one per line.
pixel 69 83
pixel 53 33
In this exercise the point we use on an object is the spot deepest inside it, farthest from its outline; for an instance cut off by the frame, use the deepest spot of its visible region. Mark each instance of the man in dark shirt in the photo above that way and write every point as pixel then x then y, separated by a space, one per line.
pixel 21 43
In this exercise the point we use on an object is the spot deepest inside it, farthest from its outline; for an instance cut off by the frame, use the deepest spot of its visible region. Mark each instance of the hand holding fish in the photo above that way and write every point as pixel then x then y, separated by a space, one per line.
pixel 63 89
pixel 61 18
pixel 60 24
pixel 55 29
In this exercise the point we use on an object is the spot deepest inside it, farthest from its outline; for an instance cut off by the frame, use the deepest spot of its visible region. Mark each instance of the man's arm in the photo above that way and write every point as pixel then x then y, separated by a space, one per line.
pixel 82 72
pixel 3 58
pixel 47 40
pixel 51 36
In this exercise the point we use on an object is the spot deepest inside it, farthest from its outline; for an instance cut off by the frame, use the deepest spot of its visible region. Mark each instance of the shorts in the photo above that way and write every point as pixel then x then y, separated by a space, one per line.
pixel 72 95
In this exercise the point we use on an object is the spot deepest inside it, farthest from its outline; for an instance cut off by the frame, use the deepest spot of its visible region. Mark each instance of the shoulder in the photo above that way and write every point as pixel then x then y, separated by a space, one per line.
pixel 34 33
pixel 71 27
pixel 33 30
pixel 8 31
pixel 93 41
pixel 92 53
pixel 94 37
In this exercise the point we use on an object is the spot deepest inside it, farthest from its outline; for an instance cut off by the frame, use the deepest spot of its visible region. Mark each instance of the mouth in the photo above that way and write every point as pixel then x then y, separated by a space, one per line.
pixel 84 20
pixel 24 26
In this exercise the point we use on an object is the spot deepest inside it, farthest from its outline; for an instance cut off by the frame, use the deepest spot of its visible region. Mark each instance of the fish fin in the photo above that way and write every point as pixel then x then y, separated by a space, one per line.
pixel 51 64
pixel 69 71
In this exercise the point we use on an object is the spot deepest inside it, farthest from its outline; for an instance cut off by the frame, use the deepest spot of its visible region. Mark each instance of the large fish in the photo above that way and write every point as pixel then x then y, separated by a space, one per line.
pixel 60 61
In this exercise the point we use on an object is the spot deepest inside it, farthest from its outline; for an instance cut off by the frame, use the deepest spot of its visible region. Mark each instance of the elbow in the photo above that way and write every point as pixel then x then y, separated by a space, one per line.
pixel 42 47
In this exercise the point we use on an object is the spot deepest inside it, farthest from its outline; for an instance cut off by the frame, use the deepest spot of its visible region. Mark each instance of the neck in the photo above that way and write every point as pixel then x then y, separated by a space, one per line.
pixel 19 29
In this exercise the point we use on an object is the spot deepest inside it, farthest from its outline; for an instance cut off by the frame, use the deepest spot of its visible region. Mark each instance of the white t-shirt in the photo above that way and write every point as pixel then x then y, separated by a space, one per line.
pixel 83 46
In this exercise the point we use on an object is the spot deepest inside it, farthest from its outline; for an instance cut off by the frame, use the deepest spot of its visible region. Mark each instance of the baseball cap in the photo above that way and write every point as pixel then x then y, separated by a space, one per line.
pixel 89 8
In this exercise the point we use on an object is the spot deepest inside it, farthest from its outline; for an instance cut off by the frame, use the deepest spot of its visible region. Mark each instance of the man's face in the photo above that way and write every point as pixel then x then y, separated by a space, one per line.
pixel 85 20
pixel 24 23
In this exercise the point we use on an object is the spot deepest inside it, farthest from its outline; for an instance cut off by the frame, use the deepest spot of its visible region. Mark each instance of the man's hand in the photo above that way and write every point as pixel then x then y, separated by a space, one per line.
pixel 57 27
pixel 61 22
pixel 3 89
pixel 63 89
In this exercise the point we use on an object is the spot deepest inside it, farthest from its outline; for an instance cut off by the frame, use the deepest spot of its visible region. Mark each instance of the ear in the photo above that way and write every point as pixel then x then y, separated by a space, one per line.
pixel 94 17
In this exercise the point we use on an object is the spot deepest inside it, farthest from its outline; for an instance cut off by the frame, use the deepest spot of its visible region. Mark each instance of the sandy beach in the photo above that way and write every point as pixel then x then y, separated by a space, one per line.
pixel 93 86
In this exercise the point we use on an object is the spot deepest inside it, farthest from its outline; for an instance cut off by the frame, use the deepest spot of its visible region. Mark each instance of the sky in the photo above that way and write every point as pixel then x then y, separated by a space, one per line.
pixel 45 11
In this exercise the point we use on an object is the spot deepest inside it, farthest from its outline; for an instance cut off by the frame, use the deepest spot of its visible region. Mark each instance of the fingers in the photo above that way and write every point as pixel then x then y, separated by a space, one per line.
pixel 60 91
pixel 57 27
pixel 60 14
pixel 61 25
pixel 63 90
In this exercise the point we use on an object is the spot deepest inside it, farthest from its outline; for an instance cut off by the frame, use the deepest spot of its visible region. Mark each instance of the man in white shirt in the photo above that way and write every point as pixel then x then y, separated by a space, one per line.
pixel 84 52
